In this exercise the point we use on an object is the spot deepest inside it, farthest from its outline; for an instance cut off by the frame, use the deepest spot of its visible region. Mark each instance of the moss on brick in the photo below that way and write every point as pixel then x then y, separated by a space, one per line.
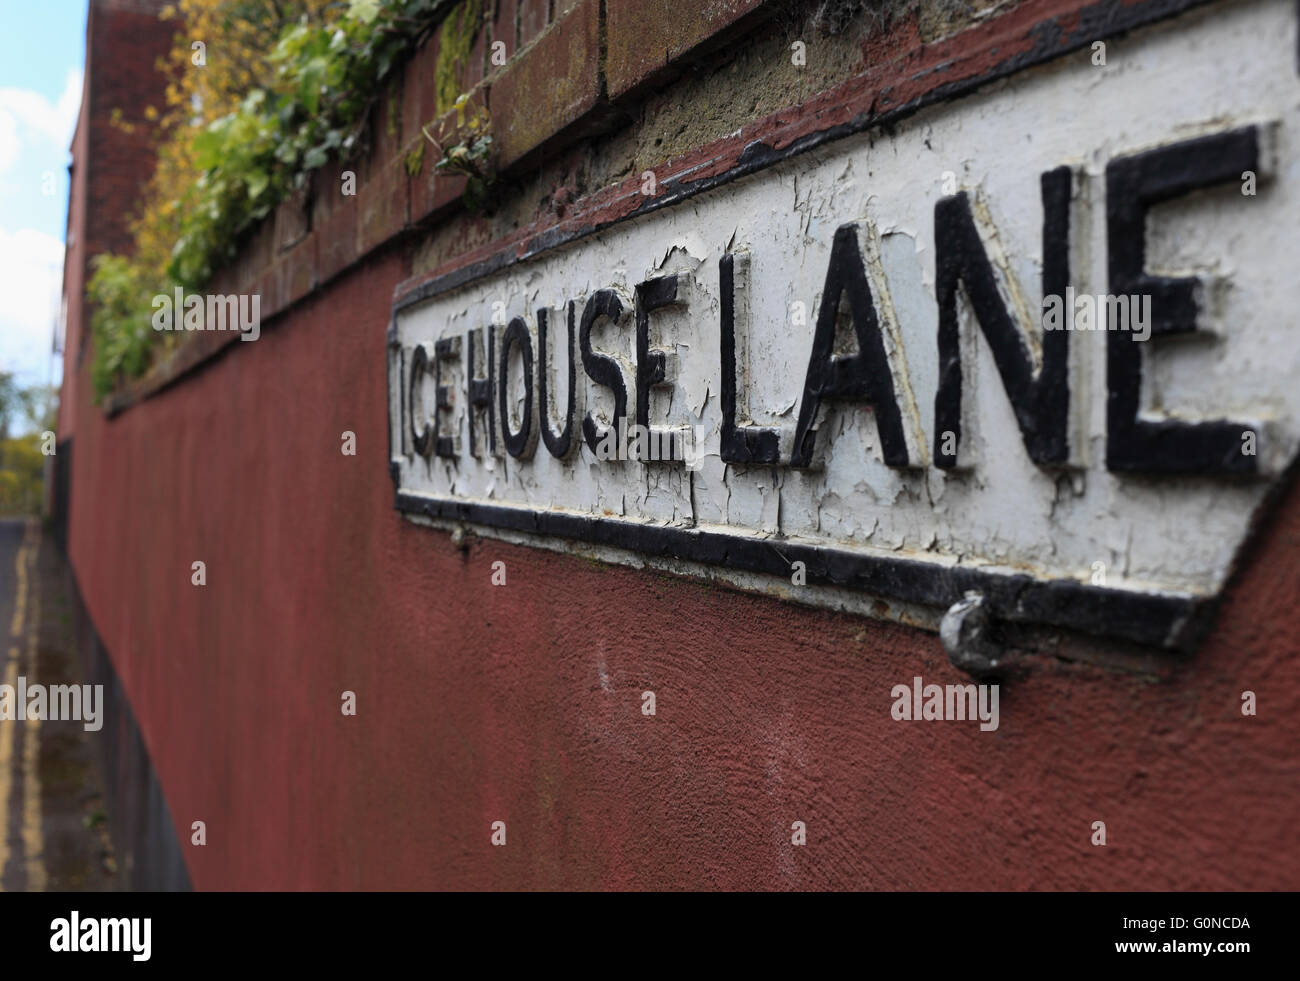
pixel 871 17
pixel 415 161
pixel 394 112
pixel 455 43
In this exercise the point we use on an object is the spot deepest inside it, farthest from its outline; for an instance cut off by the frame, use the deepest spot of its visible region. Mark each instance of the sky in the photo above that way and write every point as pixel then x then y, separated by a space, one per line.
pixel 42 44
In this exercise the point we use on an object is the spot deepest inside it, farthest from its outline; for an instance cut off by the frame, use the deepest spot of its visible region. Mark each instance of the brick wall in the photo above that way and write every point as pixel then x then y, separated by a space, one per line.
pixel 111 161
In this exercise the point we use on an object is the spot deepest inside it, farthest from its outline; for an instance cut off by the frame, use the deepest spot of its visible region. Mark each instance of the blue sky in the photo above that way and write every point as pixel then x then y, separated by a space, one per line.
pixel 42 46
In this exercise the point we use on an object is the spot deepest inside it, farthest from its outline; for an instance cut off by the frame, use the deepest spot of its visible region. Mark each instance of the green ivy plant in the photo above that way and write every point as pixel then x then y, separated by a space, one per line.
pixel 327 78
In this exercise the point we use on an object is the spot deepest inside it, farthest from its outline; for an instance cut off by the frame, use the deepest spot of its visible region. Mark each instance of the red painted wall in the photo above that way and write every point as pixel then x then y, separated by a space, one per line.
pixel 522 703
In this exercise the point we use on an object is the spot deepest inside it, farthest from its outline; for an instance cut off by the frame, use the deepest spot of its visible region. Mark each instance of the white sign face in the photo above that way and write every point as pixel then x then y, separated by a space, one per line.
pixel 1038 342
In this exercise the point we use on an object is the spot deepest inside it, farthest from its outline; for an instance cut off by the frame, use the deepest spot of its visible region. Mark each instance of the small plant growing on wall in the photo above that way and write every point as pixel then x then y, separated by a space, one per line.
pixel 470 157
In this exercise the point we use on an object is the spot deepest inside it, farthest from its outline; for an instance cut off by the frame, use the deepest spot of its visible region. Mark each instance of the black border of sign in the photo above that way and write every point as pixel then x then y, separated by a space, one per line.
pixel 1157 619
pixel 1175 621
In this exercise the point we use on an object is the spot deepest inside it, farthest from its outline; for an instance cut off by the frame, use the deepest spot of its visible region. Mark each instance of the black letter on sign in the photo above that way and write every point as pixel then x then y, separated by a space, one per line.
pixel 480 390
pixel 601 368
pixel 865 375
pixel 560 444
pixel 744 444
pixel 421 431
pixel 523 443
pixel 650 362
pixel 1042 404
pixel 447 349
pixel 1134 184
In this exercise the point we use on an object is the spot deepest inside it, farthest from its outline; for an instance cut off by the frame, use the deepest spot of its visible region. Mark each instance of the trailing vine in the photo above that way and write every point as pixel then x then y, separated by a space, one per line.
pixel 289 90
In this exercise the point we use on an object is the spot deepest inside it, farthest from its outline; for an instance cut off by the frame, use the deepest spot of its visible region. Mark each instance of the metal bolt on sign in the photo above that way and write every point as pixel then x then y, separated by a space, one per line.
pixel 966 634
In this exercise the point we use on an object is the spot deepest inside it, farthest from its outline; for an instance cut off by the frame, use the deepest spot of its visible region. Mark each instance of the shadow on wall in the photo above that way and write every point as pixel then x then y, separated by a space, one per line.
pixel 144 838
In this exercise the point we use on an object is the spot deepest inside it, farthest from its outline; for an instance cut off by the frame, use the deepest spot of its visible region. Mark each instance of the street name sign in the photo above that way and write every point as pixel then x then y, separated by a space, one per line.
pixel 1037 342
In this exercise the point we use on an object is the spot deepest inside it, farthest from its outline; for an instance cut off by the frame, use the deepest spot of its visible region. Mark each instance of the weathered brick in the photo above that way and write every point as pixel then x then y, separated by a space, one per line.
pixel 270 287
pixel 383 204
pixel 386 125
pixel 128 81
pixel 292 221
pixel 224 281
pixel 299 270
pixel 476 68
pixel 336 239
pixel 458 66
pixel 644 40
pixel 433 190
pixel 503 30
pixel 420 89
pixel 533 15
pixel 325 196
pixel 436 192
pixel 255 256
pixel 553 87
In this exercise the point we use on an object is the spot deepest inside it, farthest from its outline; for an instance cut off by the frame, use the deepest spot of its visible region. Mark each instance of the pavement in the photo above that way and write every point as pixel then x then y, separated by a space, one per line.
pixel 53 830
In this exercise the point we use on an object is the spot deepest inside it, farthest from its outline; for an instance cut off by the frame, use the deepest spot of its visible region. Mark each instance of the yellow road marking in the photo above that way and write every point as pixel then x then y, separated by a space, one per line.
pixel 7 763
pixel 33 834
pixel 11 679
pixel 20 592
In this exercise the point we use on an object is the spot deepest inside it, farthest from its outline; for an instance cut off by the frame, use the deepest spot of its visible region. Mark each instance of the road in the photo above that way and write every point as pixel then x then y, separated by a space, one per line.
pixel 51 821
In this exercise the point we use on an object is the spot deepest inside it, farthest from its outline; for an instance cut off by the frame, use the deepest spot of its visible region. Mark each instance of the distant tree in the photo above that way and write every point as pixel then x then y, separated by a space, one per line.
pixel 22 469
pixel 36 404
pixel 22 464
pixel 10 402
pixel 40 405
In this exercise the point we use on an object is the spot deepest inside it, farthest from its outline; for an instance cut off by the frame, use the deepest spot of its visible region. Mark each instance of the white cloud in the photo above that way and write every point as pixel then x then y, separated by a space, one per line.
pixel 8 140
pixel 69 105
pixel 31 275
pixel 24 111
